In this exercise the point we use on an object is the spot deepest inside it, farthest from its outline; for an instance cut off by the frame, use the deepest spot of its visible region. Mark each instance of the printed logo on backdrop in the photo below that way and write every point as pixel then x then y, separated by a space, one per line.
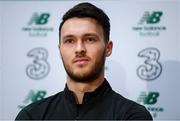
pixel 149 24
pixel 150 100
pixel 37 26
pixel 151 68
pixel 39 68
pixel 33 96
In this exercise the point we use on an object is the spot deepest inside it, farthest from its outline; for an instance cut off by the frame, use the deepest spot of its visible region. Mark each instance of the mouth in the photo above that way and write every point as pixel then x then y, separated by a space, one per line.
pixel 81 61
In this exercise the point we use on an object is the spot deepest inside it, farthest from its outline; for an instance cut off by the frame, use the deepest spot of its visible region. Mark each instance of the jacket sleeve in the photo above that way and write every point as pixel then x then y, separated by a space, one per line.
pixel 138 112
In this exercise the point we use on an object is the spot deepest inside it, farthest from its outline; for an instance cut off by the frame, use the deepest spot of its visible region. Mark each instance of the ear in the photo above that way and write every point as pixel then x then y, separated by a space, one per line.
pixel 109 47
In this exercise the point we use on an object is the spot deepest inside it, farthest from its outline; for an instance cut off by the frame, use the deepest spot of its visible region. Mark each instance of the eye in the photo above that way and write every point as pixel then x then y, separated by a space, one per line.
pixel 69 41
pixel 90 40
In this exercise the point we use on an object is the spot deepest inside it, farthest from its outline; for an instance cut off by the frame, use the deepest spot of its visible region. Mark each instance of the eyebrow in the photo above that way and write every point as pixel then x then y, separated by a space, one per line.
pixel 68 36
pixel 86 35
pixel 91 34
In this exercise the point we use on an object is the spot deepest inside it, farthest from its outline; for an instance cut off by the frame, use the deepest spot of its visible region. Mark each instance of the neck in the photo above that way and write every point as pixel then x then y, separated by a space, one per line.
pixel 81 88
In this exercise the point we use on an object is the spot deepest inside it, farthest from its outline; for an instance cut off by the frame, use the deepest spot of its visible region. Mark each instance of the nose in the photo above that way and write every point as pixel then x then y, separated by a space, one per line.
pixel 80 48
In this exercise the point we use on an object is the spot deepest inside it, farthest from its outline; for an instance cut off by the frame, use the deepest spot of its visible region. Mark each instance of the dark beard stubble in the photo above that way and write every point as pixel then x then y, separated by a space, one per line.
pixel 94 73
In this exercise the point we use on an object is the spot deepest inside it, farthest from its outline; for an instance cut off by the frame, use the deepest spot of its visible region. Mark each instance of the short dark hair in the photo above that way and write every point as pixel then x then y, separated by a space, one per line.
pixel 86 9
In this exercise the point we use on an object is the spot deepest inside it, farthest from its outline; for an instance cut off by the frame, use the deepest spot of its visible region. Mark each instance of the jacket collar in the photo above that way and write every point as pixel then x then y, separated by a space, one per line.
pixel 89 97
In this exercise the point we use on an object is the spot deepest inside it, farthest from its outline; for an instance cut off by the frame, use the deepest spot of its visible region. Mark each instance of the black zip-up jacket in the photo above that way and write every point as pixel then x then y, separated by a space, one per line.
pixel 102 104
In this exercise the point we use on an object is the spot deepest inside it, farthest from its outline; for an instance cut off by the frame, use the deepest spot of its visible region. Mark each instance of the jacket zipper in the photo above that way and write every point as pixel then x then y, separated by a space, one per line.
pixel 77 113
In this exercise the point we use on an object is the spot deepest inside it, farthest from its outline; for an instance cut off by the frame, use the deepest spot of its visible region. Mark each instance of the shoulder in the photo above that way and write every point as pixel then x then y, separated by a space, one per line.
pixel 129 109
pixel 44 102
pixel 38 109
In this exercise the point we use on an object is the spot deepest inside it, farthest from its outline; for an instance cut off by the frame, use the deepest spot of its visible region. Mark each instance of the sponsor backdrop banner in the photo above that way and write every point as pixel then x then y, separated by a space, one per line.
pixel 144 66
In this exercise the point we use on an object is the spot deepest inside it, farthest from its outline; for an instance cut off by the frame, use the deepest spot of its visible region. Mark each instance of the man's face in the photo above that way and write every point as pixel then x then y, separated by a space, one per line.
pixel 82 49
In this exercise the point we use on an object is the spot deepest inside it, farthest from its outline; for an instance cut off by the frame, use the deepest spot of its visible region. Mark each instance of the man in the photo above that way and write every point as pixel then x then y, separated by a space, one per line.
pixel 84 45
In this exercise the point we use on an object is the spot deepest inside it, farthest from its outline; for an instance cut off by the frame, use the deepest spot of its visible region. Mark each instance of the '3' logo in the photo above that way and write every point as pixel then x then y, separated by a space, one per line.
pixel 151 69
pixel 40 67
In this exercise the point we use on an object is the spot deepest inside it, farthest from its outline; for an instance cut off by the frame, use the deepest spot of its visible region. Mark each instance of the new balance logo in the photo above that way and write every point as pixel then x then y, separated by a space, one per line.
pixel 35 96
pixel 148 98
pixel 152 18
pixel 39 19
